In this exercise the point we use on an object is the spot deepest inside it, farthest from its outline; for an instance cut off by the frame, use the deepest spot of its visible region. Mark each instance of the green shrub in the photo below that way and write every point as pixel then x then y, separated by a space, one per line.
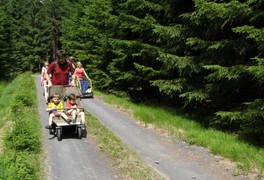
pixel 21 154
pixel 18 165
pixel 24 98
pixel 23 137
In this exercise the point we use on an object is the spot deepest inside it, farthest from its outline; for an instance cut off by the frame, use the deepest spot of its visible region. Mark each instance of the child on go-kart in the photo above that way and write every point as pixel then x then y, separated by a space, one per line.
pixel 55 109
pixel 74 111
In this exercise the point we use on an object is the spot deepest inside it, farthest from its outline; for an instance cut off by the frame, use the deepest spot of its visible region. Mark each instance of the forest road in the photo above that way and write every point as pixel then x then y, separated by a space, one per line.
pixel 70 158
pixel 171 157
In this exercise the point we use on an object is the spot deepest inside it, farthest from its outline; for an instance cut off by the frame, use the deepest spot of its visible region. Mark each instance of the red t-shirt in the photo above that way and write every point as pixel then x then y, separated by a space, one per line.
pixel 61 73
pixel 69 105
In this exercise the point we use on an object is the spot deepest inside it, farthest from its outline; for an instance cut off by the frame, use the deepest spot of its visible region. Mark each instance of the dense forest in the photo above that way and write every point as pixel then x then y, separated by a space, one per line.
pixel 204 56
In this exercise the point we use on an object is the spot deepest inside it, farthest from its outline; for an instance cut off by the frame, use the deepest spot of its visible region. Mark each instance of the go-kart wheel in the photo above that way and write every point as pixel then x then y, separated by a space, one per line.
pixel 79 131
pixel 58 134
pixel 84 133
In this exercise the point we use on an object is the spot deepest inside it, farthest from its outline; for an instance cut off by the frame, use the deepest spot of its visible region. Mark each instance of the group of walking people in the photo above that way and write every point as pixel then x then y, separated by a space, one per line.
pixel 62 72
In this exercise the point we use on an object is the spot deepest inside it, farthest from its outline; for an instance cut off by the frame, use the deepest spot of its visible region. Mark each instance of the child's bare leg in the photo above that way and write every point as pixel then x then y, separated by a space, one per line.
pixel 51 116
pixel 74 114
pixel 50 121
pixel 82 117
pixel 65 117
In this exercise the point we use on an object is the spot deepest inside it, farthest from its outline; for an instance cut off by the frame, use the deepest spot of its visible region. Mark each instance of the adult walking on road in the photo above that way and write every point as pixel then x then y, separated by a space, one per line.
pixel 59 70
pixel 80 72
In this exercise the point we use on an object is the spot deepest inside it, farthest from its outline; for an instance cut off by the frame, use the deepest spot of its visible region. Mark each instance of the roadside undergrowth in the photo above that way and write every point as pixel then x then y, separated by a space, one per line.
pixel 21 138
pixel 248 158
pixel 126 162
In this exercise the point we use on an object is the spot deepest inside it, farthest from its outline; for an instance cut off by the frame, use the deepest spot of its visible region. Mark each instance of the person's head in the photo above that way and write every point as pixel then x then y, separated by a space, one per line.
pixel 72 98
pixel 61 56
pixel 79 64
pixel 71 58
pixel 55 98
pixel 46 64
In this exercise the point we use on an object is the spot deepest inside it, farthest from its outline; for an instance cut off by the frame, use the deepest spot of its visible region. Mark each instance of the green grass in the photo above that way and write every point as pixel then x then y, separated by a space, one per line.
pixel 247 157
pixel 21 153
pixel 3 85
pixel 4 102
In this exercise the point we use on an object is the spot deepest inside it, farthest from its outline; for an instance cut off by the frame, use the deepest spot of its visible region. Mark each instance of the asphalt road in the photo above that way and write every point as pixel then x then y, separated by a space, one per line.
pixel 72 158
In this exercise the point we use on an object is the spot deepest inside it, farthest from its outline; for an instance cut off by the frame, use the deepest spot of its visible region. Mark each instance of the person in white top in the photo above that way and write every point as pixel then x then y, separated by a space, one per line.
pixel 43 81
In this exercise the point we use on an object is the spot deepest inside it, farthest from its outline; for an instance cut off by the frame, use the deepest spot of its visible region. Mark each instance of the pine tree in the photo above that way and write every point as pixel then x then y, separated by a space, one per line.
pixel 4 44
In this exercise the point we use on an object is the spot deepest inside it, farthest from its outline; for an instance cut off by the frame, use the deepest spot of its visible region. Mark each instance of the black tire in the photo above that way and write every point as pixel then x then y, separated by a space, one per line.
pixel 79 131
pixel 59 134
pixel 84 133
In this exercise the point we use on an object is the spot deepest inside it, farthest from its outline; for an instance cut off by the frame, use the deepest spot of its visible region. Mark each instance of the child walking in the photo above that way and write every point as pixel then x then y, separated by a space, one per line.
pixel 74 111
pixel 54 109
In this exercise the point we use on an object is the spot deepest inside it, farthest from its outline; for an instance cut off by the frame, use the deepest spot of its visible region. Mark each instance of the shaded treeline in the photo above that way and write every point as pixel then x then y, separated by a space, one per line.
pixel 203 55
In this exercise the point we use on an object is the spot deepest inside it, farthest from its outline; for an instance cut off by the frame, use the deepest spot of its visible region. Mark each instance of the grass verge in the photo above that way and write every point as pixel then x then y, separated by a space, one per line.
pixel 5 99
pixel 248 158
pixel 21 148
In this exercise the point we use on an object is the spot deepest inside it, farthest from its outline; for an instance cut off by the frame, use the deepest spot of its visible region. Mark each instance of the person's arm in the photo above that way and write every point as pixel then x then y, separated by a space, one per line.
pixel 85 73
pixel 73 71
pixel 42 72
pixel 48 79
pixel 49 108
pixel 49 70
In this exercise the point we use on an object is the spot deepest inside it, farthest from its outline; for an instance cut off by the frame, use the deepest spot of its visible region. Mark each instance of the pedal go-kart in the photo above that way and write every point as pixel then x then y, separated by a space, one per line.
pixel 58 123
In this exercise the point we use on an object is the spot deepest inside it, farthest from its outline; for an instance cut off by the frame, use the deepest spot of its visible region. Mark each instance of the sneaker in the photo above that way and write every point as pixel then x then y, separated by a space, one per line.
pixel 48 127
pixel 69 120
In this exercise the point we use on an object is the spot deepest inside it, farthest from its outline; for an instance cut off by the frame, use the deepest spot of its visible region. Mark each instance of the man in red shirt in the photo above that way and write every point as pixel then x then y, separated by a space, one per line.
pixel 60 70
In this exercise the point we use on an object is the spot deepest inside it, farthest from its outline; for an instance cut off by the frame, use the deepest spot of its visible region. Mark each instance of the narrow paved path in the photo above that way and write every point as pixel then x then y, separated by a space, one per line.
pixel 71 158
pixel 173 158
